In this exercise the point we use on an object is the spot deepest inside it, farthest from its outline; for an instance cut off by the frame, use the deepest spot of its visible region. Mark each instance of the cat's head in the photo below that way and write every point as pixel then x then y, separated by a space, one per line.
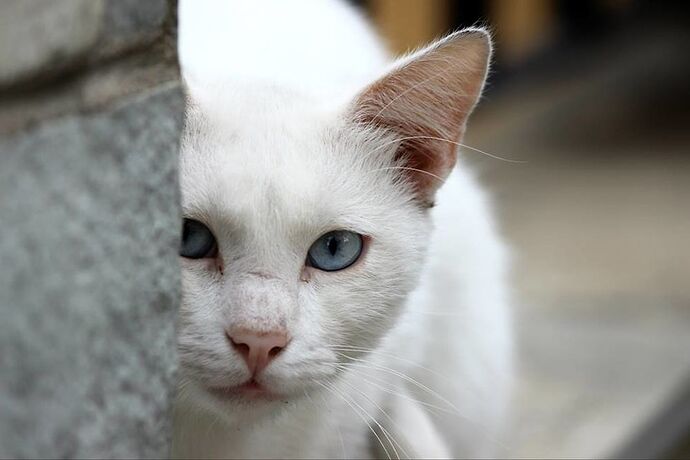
pixel 307 221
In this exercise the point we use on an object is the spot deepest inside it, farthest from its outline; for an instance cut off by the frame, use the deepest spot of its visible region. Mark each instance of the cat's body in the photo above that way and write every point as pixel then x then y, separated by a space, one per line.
pixel 413 340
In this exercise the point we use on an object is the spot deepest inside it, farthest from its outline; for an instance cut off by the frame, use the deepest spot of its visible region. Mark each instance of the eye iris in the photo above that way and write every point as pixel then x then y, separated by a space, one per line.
pixel 335 250
pixel 197 240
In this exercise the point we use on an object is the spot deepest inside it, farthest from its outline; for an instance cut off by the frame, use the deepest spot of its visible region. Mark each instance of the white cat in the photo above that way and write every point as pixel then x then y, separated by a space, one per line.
pixel 344 289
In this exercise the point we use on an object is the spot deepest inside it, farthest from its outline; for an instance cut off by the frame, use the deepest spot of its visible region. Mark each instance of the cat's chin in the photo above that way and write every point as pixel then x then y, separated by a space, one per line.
pixel 248 391
pixel 234 404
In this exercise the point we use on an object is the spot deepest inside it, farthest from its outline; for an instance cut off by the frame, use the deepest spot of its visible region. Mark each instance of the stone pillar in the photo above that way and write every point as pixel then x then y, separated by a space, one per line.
pixel 90 113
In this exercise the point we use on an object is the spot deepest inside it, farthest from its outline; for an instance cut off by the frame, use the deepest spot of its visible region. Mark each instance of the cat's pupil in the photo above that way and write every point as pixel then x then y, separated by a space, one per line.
pixel 332 245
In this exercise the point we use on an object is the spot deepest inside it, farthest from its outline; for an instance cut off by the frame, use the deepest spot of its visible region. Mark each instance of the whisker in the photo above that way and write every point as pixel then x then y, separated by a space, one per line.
pixel 384 431
pixel 465 146
pixel 332 389
pixel 390 437
pixel 211 425
pixel 390 355
pixel 406 168
pixel 364 366
pixel 402 376
pixel 441 139
pixel 430 406
pixel 337 427
pixel 433 409
pixel 438 313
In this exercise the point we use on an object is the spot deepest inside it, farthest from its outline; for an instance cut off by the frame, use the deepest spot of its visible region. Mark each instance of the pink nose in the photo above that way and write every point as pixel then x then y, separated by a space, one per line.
pixel 257 349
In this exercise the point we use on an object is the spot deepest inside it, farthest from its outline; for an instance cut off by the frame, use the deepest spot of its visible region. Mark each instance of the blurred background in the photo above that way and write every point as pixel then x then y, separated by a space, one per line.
pixel 594 97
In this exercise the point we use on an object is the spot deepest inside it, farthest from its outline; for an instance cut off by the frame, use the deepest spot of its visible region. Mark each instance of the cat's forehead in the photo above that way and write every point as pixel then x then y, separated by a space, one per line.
pixel 254 161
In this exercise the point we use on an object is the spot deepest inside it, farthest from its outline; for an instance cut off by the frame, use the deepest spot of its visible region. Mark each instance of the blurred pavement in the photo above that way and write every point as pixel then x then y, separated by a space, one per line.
pixel 599 221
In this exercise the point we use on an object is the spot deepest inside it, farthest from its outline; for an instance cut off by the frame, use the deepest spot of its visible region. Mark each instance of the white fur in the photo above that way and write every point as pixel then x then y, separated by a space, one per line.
pixel 270 163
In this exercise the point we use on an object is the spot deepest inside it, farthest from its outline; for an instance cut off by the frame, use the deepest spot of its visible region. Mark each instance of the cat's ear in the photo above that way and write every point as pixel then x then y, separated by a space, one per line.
pixel 425 101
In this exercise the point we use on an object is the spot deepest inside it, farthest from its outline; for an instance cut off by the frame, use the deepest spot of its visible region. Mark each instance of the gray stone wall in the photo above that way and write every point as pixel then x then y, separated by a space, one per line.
pixel 90 113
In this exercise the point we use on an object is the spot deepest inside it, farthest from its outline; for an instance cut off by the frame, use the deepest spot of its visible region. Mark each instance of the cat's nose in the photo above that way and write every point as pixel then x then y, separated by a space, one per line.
pixel 257 349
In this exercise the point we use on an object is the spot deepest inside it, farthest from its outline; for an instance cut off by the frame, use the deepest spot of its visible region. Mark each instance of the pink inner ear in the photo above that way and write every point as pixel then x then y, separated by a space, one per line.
pixel 429 133
pixel 428 158
pixel 426 102
pixel 428 165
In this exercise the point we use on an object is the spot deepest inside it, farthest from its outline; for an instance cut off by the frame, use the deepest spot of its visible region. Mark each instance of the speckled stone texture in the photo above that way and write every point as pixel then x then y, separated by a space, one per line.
pixel 90 225
pixel 89 282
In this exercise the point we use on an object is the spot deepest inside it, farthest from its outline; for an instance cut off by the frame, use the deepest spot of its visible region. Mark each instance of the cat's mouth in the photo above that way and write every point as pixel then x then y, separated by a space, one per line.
pixel 251 389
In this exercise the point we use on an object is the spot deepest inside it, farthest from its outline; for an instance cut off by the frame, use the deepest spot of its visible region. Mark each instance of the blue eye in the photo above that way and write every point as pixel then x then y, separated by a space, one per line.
pixel 197 240
pixel 335 250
